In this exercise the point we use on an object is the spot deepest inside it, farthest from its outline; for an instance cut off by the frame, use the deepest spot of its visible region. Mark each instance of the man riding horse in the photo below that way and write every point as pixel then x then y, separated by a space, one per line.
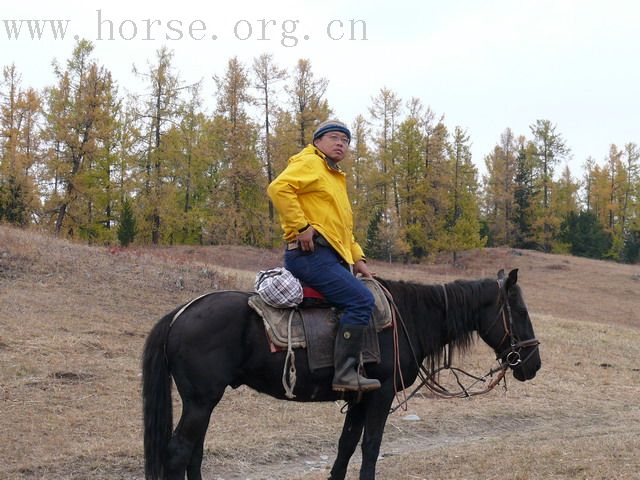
pixel 311 198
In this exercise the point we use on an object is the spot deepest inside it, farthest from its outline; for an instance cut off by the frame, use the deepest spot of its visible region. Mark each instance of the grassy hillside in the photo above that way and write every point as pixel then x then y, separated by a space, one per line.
pixel 73 320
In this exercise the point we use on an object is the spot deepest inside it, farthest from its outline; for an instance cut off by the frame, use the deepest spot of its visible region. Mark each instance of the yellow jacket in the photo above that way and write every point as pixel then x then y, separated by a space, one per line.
pixel 311 191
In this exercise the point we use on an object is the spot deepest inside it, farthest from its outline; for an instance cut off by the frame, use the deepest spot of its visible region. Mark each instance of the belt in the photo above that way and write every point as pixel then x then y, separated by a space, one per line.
pixel 318 240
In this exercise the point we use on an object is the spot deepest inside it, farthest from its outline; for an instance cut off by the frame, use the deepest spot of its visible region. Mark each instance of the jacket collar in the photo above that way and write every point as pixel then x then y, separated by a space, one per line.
pixel 330 163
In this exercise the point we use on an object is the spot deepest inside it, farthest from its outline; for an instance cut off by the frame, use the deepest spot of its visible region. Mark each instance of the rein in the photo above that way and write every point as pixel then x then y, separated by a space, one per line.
pixel 428 377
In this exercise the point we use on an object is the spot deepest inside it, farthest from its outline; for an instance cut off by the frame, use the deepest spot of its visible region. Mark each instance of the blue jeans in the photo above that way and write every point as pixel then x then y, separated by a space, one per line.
pixel 324 270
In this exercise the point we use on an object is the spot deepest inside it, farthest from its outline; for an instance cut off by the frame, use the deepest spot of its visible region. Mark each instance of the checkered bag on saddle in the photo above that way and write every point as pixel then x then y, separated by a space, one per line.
pixel 278 288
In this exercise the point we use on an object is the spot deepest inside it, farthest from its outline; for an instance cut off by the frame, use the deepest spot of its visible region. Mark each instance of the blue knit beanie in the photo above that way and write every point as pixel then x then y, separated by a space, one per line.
pixel 331 126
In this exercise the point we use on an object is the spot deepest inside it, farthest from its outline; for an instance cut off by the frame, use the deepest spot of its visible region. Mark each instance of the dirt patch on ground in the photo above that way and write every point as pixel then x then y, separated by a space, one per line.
pixel 74 319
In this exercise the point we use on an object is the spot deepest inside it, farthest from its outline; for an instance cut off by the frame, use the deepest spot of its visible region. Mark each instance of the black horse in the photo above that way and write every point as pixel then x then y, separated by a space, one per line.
pixel 219 341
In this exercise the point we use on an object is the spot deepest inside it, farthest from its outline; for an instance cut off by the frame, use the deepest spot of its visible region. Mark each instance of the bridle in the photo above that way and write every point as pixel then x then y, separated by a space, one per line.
pixel 428 378
pixel 511 354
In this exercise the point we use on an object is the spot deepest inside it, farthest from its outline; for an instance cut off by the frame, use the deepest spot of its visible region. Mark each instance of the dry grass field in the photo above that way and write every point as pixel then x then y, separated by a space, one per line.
pixel 73 320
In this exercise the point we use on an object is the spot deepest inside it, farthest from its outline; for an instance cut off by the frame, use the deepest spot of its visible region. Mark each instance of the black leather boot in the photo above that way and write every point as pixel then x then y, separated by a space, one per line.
pixel 346 360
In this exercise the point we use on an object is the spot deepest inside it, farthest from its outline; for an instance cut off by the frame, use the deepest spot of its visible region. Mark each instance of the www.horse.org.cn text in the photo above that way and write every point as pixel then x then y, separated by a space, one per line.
pixel 288 32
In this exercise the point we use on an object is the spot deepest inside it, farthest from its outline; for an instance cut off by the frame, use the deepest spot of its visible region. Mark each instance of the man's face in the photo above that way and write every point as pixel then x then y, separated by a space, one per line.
pixel 334 145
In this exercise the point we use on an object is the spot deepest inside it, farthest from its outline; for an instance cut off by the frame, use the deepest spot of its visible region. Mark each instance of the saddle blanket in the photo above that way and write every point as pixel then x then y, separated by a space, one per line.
pixel 315 328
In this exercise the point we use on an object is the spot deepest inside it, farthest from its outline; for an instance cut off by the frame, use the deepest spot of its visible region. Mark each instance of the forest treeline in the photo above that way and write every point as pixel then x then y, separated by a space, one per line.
pixel 85 160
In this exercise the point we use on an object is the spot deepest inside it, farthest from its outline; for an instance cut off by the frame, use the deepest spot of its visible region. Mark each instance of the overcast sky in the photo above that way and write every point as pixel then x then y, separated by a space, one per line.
pixel 484 64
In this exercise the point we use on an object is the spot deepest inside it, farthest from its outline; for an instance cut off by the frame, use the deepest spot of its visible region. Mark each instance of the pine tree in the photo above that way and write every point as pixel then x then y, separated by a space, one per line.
pixel 525 194
pixel 565 202
pixel 127 226
pixel 585 235
pixel 14 204
pixel 631 251
pixel 373 245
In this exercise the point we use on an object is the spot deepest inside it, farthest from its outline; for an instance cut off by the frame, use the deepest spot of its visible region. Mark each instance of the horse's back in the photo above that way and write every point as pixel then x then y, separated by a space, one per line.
pixel 209 339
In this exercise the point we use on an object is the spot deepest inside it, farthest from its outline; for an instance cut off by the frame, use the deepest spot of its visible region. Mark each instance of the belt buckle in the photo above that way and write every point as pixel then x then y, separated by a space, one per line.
pixel 292 245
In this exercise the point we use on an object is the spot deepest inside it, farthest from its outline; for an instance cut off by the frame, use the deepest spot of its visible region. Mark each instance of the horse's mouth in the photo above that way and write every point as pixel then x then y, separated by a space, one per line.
pixel 519 375
pixel 525 372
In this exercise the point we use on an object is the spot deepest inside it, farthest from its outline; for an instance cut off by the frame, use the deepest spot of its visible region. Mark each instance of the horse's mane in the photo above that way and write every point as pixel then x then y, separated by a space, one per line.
pixel 436 320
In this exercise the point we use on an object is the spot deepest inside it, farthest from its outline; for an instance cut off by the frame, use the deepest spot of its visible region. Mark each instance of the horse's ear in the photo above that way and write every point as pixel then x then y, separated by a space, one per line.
pixel 501 274
pixel 513 278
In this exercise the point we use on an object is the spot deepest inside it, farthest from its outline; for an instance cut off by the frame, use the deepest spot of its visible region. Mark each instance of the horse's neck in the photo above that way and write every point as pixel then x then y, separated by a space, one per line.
pixel 437 315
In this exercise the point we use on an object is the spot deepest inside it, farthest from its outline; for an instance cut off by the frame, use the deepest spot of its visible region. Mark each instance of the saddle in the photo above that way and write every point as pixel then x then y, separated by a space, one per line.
pixel 313 325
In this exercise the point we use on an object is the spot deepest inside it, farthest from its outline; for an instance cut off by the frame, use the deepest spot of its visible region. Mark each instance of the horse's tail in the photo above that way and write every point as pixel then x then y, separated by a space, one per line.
pixel 156 399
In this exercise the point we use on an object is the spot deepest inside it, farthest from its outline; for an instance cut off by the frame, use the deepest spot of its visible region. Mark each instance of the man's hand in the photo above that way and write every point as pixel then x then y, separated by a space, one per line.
pixel 305 240
pixel 361 267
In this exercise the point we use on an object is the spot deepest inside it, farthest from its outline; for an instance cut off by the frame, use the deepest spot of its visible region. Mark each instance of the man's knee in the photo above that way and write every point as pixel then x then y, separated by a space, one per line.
pixel 366 300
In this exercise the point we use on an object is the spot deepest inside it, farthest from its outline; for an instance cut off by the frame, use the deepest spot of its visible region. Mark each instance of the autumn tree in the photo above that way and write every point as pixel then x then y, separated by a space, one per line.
pixel 80 124
pixel 564 203
pixel 189 145
pixel 359 168
pixel 464 216
pixel 385 114
pixel 267 75
pixel 599 193
pixel 19 149
pixel 587 182
pixel 126 150
pixel 307 98
pixel 630 208
pixel 410 183
pixel 612 197
pixel 631 205
pixel 243 201
pixel 437 168
pixel 159 108
pixel 550 149
pixel 499 189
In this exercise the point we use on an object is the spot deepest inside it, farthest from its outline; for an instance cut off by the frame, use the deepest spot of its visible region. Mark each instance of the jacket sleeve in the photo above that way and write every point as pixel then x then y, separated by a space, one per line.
pixel 356 251
pixel 283 192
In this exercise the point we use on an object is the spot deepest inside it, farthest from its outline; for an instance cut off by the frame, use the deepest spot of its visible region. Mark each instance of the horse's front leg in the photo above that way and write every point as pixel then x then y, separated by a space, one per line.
pixel 376 414
pixel 351 433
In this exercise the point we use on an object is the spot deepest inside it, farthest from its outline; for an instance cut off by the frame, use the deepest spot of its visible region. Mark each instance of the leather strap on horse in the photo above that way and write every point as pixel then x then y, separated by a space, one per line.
pixel 397 371
pixel 289 383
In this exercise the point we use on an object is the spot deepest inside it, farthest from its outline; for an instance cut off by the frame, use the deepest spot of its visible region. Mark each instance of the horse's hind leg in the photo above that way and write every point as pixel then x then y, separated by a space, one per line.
pixel 194 469
pixel 184 453
pixel 351 433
